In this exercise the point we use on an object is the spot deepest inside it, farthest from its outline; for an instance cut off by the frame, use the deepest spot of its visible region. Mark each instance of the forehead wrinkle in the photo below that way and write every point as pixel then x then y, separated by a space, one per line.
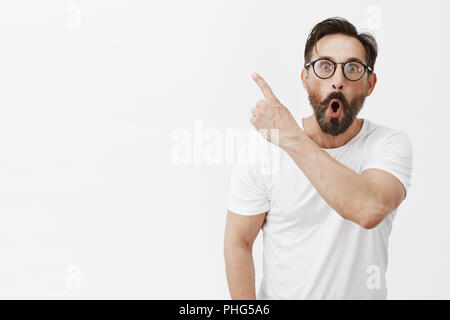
pixel 345 60
pixel 343 40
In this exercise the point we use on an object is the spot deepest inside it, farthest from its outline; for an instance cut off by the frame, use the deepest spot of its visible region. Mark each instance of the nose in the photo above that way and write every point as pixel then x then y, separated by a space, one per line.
pixel 337 81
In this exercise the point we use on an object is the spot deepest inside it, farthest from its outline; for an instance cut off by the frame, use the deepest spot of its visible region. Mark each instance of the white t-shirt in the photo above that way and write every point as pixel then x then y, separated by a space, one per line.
pixel 309 250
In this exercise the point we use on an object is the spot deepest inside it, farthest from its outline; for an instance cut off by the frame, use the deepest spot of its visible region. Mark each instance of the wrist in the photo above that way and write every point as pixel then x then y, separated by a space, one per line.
pixel 293 142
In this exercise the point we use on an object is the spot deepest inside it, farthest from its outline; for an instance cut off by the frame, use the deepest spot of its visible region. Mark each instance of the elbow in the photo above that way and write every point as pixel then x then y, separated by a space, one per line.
pixel 372 218
pixel 231 245
pixel 369 223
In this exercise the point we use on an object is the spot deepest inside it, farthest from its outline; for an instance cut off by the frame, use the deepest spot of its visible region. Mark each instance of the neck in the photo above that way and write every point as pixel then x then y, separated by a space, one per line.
pixel 327 141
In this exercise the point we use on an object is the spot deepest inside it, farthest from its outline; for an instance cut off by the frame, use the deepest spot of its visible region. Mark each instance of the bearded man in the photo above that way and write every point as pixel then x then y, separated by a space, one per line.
pixel 326 212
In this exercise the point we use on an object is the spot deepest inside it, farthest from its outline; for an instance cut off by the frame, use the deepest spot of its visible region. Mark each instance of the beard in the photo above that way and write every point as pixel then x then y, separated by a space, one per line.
pixel 336 126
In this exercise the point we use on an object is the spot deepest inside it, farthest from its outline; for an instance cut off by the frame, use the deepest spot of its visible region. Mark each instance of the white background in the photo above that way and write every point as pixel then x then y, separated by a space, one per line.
pixel 92 204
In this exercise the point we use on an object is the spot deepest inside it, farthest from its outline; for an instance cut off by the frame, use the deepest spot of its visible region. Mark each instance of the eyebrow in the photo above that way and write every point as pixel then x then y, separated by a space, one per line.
pixel 349 59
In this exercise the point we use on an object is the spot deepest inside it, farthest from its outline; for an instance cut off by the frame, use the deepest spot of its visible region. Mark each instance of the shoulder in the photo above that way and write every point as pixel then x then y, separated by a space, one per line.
pixel 383 135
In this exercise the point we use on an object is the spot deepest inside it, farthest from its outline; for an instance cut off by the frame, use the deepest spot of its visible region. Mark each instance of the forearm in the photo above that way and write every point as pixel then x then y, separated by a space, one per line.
pixel 240 272
pixel 346 191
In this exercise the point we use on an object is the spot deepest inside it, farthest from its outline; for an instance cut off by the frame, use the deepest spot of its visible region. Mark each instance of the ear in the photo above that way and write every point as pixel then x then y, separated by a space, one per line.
pixel 304 76
pixel 371 83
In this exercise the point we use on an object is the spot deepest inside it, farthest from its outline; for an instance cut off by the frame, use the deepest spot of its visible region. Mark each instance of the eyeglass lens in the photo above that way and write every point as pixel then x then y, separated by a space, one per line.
pixel 353 70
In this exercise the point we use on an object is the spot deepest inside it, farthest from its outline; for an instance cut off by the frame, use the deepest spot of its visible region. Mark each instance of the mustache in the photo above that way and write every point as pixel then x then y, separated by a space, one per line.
pixel 335 95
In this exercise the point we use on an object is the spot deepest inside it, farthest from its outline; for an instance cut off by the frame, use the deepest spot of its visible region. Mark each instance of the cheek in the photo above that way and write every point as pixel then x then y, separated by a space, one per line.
pixel 358 90
pixel 318 87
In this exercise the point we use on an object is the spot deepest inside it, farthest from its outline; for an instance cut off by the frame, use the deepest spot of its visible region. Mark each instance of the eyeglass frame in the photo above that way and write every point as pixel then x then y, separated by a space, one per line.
pixel 366 68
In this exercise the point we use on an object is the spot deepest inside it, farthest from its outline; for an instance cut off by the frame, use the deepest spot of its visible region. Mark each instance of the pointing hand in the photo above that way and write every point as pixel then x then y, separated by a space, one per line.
pixel 272 119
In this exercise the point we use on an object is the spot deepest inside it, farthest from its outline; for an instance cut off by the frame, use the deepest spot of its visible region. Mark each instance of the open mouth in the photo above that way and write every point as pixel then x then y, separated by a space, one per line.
pixel 335 108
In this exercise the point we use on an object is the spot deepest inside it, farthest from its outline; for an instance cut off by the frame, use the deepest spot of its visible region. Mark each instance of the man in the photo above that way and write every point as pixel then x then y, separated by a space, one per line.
pixel 327 210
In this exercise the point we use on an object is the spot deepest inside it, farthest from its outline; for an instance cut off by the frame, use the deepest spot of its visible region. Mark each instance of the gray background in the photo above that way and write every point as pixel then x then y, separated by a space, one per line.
pixel 92 203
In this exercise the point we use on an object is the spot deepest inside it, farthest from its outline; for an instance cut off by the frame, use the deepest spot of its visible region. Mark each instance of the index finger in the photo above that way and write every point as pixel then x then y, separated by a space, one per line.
pixel 267 92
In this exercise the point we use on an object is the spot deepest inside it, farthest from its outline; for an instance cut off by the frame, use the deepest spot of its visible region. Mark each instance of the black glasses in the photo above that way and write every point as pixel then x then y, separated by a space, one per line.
pixel 353 70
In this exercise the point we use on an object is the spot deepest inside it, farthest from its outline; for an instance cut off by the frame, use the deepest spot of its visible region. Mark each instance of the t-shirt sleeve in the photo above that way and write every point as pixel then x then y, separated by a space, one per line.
pixel 247 194
pixel 394 154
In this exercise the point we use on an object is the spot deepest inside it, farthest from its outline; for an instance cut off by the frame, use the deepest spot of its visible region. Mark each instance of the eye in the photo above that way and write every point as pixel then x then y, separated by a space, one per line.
pixel 325 65
pixel 354 67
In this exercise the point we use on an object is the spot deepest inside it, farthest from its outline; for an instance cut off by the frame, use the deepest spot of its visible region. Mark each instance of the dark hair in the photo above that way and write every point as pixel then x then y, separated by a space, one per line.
pixel 340 25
